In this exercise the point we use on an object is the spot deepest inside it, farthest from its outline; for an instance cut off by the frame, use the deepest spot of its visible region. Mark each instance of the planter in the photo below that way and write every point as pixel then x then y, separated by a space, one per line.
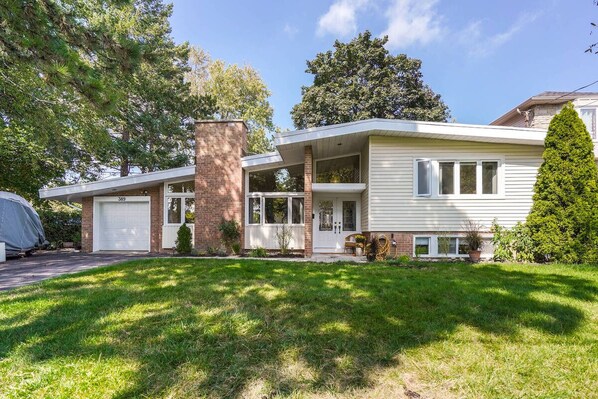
pixel 358 251
pixel 474 256
pixel 68 244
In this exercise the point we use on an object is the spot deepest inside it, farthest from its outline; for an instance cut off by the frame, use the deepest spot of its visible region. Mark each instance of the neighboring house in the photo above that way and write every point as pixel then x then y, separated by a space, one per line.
pixel 411 181
pixel 537 111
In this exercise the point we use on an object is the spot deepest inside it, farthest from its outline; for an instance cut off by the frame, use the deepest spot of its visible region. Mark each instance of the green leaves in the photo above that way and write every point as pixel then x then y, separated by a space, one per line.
pixel 564 216
pixel 362 80
pixel 233 92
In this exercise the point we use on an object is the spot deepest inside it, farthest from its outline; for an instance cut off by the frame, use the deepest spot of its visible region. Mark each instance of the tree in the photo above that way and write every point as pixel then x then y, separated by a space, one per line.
pixel 564 217
pixel 233 92
pixel 151 129
pixel 58 65
pixel 362 80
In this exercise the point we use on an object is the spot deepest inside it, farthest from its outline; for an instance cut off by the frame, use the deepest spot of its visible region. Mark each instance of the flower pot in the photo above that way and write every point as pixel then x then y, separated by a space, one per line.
pixel 358 251
pixel 474 256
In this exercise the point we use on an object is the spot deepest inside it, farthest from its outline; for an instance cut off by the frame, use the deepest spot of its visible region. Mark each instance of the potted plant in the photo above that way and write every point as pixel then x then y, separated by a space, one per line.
pixel 473 238
pixel 359 244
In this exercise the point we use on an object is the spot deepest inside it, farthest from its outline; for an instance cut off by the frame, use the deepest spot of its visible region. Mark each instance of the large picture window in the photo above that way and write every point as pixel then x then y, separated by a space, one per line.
pixel 179 201
pixel 275 196
pixel 289 179
pixel 338 170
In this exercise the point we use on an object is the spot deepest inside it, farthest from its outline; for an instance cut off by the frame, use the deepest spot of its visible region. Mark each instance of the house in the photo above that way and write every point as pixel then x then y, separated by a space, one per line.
pixel 409 180
pixel 537 111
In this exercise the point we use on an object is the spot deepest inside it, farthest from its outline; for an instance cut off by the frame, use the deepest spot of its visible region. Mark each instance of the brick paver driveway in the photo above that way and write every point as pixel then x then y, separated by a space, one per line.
pixel 41 266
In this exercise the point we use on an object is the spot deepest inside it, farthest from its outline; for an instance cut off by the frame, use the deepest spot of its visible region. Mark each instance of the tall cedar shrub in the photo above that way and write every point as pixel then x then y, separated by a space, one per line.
pixel 564 217
pixel 183 240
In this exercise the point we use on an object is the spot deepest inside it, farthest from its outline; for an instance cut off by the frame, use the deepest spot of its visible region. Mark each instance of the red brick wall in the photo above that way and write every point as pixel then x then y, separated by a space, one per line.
pixel 219 146
pixel 156 194
pixel 308 201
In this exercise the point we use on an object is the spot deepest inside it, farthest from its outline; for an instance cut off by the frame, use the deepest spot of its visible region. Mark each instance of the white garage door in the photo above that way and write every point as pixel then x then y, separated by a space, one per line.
pixel 123 226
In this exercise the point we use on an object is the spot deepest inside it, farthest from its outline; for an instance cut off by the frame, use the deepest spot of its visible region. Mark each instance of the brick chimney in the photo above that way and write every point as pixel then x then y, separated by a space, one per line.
pixel 219 180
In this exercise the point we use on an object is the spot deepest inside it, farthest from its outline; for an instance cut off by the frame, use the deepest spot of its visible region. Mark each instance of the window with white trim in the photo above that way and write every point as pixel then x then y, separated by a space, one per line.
pixel 588 116
pixel 423 177
pixel 275 196
pixel 179 202
pixel 450 246
pixel 456 178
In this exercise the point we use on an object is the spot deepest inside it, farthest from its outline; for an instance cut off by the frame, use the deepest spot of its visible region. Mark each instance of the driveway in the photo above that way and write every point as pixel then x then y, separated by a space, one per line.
pixel 44 265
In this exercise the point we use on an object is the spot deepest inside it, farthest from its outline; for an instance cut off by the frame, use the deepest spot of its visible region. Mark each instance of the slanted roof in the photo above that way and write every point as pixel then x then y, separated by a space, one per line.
pixel 326 141
pixel 75 192
pixel 547 97
pixel 350 137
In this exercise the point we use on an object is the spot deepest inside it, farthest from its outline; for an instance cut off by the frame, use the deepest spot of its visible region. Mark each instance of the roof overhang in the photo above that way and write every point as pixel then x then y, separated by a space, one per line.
pixel 76 192
pixel 350 137
pixel 262 161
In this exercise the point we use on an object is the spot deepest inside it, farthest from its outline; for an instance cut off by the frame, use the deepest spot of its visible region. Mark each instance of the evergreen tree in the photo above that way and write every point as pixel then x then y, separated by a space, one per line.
pixel 362 80
pixel 183 244
pixel 564 216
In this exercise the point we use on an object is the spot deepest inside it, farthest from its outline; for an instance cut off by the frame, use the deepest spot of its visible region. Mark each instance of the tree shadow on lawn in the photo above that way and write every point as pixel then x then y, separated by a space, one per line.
pixel 217 329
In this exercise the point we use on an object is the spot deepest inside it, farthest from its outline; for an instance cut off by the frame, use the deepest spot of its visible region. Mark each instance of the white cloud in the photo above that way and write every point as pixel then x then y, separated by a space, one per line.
pixel 411 22
pixel 290 30
pixel 341 19
pixel 481 46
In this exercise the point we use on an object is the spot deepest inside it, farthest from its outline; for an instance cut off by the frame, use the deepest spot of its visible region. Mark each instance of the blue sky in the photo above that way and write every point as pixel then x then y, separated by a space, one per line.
pixel 483 57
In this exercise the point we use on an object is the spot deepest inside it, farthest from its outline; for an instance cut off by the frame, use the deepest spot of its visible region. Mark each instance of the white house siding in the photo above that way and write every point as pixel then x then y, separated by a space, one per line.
pixel 264 236
pixel 365 167
pixel 393 207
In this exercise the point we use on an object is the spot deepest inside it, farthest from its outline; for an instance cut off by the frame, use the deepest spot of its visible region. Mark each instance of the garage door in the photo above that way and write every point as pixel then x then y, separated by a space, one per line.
pixel 124 226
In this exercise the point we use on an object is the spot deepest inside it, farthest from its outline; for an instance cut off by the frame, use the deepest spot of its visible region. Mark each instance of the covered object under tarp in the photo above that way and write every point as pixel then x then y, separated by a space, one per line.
pixel 20 226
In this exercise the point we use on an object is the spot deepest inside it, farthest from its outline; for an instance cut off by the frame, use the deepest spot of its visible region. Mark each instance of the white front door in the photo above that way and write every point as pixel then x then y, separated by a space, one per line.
pixel 335 219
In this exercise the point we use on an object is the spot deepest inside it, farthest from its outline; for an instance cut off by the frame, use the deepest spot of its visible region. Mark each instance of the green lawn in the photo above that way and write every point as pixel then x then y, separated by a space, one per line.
pixel 172 328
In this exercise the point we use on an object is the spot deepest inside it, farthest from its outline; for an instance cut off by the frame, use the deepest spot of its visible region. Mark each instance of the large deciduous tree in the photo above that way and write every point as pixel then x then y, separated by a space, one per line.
pixel 362 80
pixel 233 92
pixel 564 217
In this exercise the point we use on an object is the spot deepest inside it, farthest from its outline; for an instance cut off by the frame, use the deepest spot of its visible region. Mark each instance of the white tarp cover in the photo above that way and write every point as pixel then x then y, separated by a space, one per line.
pixel 20 226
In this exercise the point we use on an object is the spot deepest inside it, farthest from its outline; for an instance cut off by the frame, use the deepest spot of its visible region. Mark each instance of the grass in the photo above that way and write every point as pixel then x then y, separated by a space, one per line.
pixel 171 328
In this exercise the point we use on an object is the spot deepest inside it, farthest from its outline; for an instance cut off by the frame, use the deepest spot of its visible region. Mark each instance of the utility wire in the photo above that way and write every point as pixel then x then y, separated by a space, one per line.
pixel 576 90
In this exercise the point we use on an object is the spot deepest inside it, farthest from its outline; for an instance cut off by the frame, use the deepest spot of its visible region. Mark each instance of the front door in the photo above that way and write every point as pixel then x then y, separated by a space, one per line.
pixel 335 219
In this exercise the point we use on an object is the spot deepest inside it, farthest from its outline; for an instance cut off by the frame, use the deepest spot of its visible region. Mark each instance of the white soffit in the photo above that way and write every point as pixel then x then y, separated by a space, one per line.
pixel 432 130
pixel 77 191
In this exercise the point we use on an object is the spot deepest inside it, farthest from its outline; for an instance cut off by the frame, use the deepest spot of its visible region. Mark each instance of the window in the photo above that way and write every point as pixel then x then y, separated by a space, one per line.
pixel 454 178
pixel 275 196
pixel 467 178
pixel 297 211
pixel 424 176
pixel 422 246
pixel 289 179
pixel 490 177
pixel 179 201
pixel 338 170
pixel 255 210
pixel 276 210
pixel 189 210
pixel 588 116
pixel 349 215
pixel 174 210
pixel 182 187
pixel 447 245
pixel 446 177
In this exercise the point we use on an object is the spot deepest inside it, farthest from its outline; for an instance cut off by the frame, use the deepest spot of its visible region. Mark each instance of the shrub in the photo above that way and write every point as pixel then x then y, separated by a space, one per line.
pixel 515 245
pixel 283 236
pixel 230 232
pixel 258 252
pixel 236 247
pixel 212 251
pixel 61 225
pixel 563 220
pixel 183 244
pixel 472 234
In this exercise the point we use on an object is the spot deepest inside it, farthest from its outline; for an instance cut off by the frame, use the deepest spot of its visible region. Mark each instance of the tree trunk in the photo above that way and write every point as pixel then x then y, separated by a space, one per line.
pixel 124 163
